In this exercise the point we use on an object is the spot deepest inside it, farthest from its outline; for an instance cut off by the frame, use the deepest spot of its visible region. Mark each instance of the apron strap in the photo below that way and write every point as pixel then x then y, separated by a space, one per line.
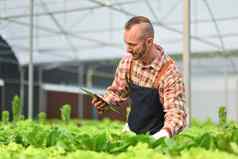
pixel 159 75
pixel 162 71
pixel 128 75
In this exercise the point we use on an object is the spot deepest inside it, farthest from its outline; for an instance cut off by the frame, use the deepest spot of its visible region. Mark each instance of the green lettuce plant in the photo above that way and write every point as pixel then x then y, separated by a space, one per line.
pixel 5 117
pixel 16 108
pixel 65 113
pixel 42 117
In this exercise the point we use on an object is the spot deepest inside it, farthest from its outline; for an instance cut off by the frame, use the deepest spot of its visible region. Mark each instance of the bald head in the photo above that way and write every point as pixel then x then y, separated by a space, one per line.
pixel 144 24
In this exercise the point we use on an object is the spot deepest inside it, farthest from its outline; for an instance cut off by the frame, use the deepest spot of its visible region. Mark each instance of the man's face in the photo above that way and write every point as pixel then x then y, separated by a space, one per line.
pixel 135 44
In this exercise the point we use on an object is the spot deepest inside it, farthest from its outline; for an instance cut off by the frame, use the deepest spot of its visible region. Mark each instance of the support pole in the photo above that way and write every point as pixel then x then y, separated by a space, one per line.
pixel 22 86
pixel 81 96
pixel 42 105
pixel 226 84
pixel 31 69
pixel 186 57
pixel 89 84
pixel 236 105
pixel 3 98
pixel 3 95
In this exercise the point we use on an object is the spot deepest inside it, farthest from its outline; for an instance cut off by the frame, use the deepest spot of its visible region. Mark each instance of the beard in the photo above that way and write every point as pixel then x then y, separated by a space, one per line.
pixel 139 55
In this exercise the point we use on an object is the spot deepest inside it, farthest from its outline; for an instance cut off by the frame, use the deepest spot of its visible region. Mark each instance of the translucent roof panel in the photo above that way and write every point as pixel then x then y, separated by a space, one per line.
pixel 93 29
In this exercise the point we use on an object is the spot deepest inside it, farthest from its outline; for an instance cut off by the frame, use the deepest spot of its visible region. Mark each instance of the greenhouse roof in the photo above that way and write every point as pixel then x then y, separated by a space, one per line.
pixel 93 29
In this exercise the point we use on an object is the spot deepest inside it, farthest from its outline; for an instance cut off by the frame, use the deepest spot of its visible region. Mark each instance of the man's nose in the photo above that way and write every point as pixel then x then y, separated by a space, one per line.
pixel 130 50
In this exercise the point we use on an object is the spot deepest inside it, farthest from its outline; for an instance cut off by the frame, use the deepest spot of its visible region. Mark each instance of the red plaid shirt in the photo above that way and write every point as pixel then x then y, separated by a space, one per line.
pixel 170 86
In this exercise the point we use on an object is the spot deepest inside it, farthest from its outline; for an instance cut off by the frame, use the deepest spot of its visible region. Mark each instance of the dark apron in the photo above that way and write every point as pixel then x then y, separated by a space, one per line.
pixel 147 113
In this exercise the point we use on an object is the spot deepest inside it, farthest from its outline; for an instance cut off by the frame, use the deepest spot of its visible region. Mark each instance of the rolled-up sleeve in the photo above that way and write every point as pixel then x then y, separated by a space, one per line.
pixel 117 93
pixel 172 95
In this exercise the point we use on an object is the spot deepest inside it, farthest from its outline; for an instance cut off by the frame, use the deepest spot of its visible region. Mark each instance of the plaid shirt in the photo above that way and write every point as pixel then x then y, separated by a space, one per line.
pixel 170 86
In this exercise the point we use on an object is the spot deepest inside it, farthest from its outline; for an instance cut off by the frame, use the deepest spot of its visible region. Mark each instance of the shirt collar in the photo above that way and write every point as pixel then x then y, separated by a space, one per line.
pixel 158 61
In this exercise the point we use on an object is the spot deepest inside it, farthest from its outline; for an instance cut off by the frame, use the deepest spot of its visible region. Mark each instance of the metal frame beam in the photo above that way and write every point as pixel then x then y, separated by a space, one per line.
pixel 49 30
pixel 60 27
pixel 68 11
pixel 219 35
pixel 209 43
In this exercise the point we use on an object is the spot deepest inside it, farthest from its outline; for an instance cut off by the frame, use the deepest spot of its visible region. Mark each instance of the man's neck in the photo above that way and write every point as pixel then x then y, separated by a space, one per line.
pixel 150 56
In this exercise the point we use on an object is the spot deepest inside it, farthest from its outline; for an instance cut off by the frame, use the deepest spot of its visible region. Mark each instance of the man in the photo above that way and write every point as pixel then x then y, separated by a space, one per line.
pixel 152 82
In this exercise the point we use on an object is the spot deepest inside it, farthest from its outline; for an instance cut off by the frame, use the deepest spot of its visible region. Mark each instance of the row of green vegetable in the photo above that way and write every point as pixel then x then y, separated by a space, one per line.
pixel 69 139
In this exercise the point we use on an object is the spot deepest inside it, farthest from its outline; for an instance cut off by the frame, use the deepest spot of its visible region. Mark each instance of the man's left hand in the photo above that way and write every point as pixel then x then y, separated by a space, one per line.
pixel 160 134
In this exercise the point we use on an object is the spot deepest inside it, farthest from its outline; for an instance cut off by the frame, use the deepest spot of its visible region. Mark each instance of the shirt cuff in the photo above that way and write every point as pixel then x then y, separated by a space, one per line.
pixel 160 134
pixel 164 133
pixel 168 131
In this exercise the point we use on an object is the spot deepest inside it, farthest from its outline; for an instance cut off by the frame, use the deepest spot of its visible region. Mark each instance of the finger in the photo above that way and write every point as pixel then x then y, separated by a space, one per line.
pixel 102 106
pixel 103 110
pixel 100 111
pixel 94 100
pixel 99 104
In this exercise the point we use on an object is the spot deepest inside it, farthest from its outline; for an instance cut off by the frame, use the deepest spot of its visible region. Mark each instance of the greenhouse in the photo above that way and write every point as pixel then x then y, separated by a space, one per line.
pixel 52 51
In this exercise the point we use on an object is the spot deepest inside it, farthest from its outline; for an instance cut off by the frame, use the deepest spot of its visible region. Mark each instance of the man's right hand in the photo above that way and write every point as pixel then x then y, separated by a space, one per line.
pixel 100 104
pixel 127 130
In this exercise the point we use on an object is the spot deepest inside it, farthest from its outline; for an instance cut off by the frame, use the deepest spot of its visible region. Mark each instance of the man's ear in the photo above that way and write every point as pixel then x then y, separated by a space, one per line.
pixel 149 41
